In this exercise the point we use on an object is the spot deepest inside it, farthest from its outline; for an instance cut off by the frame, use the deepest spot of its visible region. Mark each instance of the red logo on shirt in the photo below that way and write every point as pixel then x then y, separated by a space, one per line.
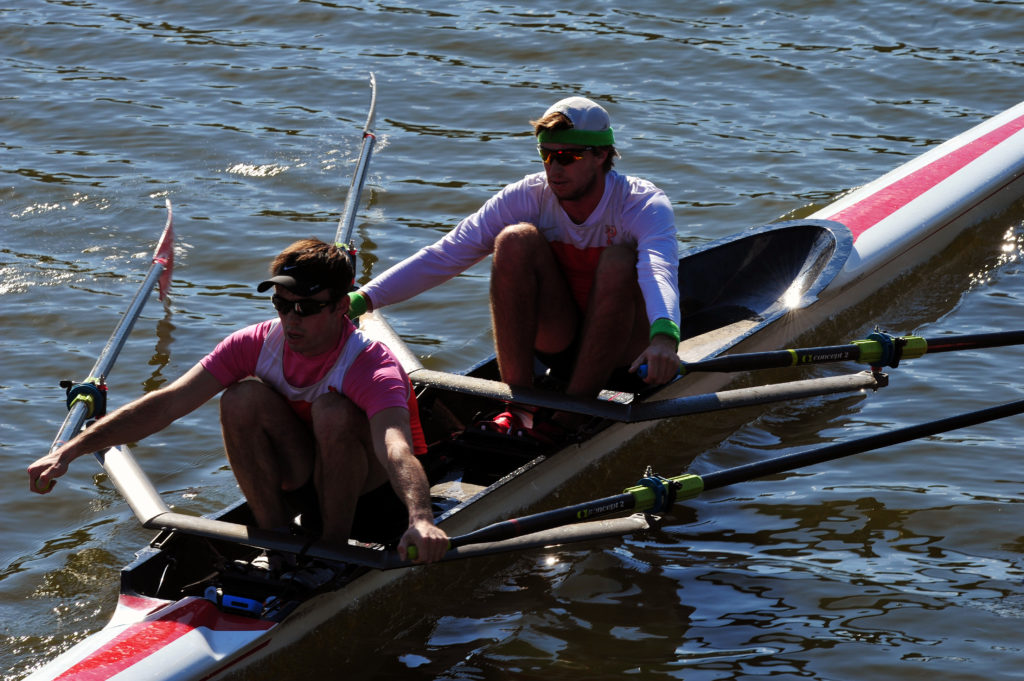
pixel 609 232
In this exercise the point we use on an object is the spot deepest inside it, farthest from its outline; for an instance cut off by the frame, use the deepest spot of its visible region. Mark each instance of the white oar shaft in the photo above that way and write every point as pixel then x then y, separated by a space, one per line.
pixel 654 410
pixel 348 214
pixel 80 411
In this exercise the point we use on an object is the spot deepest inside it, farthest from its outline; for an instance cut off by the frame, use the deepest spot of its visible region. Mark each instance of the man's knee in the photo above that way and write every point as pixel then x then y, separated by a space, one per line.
pixel 616 269
pixel 517 234
pixel 245 400
pixel 517 241
pixel 520 252
pixel 335 415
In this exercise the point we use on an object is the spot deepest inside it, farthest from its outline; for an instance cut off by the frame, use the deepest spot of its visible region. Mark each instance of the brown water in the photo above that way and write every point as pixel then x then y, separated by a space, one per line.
pixel 902 563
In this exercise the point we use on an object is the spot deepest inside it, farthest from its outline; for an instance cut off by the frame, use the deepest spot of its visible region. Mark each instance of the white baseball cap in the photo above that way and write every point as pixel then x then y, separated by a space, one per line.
pixel 591 125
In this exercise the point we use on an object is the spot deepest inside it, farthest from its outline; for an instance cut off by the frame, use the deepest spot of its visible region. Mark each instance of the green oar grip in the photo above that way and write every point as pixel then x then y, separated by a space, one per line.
pixel 412 553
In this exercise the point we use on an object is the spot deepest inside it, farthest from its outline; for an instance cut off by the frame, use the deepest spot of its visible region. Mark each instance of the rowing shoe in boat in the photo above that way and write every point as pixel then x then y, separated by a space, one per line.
pixel 189 606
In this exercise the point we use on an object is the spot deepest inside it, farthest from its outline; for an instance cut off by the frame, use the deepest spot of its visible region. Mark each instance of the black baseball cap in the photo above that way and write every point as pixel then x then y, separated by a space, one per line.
pixel 293 278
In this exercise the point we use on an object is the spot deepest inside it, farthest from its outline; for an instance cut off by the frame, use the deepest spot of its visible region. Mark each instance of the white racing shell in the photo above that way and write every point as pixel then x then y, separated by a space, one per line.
pixel 897 221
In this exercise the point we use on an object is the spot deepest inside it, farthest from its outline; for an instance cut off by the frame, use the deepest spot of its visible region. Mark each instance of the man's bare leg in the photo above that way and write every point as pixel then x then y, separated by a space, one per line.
pixel 269 448
pixel 531 304
pixel 345 465
pixel 615 326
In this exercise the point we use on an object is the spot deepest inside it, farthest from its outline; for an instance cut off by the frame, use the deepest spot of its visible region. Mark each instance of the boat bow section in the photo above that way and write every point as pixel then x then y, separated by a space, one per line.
pixel 915 211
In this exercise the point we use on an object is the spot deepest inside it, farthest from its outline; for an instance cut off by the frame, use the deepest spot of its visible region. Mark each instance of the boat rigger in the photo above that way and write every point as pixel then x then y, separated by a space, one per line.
pixel 735 293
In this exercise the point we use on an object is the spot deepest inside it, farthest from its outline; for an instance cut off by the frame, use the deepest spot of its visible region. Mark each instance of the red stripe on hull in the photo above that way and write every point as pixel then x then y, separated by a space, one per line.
pixel 865 214
pixel 139 641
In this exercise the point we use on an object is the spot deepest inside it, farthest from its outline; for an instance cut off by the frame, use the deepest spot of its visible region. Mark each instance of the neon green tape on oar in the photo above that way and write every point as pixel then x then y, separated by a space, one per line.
pixel 87 400
pixel 647 497
pixel 915 347
pixel 871 350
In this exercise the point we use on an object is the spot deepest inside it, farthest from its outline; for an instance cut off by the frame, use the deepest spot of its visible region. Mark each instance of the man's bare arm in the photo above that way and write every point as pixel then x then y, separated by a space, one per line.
pixel 132 422
pixel 392 443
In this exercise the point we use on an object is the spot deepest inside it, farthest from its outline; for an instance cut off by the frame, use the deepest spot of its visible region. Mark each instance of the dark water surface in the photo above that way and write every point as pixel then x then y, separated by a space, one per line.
pixel 903 563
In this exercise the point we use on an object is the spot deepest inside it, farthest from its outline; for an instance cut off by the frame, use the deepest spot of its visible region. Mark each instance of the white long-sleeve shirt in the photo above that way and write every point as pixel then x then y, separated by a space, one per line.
pixel 632 211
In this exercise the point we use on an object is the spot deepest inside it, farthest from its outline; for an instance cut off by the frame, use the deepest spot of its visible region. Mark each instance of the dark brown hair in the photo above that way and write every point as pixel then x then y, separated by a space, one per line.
pixel 315 261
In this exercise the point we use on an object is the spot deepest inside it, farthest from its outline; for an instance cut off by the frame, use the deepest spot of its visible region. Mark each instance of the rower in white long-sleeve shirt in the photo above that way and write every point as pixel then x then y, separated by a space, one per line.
pixel 584 273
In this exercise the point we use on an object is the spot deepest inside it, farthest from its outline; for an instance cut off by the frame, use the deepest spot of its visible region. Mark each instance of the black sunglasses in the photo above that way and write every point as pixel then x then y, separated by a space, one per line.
pixel 304 307
pixel 563 157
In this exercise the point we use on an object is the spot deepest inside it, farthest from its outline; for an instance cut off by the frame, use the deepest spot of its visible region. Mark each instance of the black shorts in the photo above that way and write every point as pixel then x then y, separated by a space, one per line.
pixel 562 363
pixel 380 515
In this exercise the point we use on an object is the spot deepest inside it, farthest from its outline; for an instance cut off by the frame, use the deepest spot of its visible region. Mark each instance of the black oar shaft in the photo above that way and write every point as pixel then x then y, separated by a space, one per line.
pixel 777 359
pixel 791 462
pixel 868 351
pixel 689 486
pixel 976 341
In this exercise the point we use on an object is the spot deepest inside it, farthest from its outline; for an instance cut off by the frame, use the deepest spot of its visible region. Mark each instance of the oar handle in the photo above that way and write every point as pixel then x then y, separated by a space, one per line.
pixel 592 530
pixel 412 553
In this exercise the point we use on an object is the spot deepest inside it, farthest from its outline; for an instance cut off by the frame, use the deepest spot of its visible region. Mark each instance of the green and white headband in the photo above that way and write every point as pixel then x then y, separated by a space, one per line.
pixel 591 126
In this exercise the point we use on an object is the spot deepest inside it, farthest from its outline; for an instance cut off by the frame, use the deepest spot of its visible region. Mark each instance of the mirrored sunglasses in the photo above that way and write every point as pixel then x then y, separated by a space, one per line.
pixel 563 157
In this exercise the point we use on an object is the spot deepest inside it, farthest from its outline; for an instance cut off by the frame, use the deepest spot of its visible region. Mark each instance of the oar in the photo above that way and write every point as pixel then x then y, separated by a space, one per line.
pixel 87 399
pixel 580 522
pixel 878 350
pixel 348 214
pixel 154 514
pixel 656 494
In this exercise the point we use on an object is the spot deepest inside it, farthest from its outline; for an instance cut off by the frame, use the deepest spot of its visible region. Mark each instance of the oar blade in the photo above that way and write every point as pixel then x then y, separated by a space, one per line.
pixel 371 117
